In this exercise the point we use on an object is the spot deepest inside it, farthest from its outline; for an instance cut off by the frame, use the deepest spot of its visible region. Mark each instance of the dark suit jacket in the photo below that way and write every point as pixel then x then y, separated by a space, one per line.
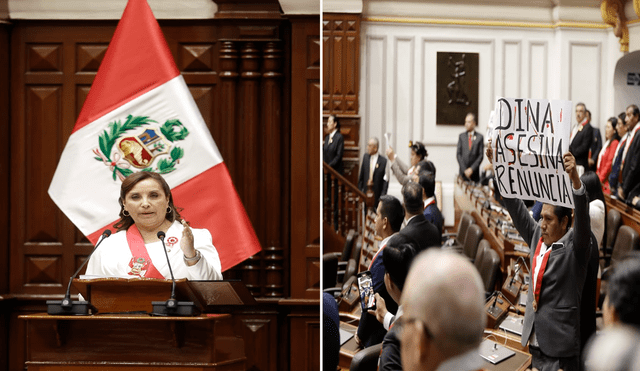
pixel 332 151
pixel 557 321
pixel 433 214
pixel 379 184
pixel 390 356
pixel 470 158
pixel 370 330
pixel 631 166
pixel 423 232
pixel 581 144
pixel 596 147
pixel 588 303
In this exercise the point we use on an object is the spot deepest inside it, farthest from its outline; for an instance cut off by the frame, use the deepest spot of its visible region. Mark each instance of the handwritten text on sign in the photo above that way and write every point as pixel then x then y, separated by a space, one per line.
pixel 528 138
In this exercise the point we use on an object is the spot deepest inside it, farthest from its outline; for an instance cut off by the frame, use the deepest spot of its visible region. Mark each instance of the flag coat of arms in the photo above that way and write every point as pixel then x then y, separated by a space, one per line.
pixel 140 116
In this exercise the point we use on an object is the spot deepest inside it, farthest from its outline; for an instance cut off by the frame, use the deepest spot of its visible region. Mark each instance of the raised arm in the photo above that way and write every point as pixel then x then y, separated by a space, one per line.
pixel 582 225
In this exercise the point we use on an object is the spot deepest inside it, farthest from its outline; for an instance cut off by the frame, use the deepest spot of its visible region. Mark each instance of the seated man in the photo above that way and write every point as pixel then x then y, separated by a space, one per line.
pixel 418 227
pixel 560 265
pixel 389 217
pixel 443 314
pixel 431 211
pixel 621 303
pixel 397 260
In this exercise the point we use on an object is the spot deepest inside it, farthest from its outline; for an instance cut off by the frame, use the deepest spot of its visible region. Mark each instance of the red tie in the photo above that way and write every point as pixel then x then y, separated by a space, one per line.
pixel 470 141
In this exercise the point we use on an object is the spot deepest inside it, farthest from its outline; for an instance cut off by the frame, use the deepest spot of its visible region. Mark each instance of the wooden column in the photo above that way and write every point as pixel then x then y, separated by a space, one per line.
pixel 273 152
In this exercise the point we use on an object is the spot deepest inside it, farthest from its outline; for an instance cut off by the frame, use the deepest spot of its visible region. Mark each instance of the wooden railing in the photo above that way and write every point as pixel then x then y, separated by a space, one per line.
pixel 349 210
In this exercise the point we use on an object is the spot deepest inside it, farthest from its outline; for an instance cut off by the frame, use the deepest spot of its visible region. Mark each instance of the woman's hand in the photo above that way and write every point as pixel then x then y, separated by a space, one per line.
pixel 186 243
pixel 390 154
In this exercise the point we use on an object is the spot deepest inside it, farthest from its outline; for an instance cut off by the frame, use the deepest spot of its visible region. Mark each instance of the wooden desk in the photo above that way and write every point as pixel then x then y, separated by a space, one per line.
pixel 519 362
pixel 133 342
pixel 350 348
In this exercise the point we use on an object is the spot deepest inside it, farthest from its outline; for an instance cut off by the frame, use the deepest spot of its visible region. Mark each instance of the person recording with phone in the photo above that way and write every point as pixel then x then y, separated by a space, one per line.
pixel 146 208
pixel 388 220
pixel 397 259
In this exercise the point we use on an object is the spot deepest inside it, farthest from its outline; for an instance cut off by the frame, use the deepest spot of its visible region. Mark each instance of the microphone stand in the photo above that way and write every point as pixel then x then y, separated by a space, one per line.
pixel 76 308
pixel 172 307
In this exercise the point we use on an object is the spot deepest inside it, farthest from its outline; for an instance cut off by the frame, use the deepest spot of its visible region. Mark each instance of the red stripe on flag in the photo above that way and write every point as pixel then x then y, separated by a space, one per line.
pixel 210 201
pixel 137 60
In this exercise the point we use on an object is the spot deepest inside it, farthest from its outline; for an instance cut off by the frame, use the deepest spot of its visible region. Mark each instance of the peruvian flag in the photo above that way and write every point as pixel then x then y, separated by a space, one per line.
pixel 140 116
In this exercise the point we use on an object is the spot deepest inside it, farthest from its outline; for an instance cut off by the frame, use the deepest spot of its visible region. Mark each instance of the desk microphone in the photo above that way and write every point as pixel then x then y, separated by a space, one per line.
pixel 66 306
pixel 516 270
pixel 172 307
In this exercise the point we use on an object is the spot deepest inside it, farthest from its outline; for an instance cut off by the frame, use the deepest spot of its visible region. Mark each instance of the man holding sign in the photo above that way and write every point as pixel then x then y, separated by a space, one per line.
pixel 560 254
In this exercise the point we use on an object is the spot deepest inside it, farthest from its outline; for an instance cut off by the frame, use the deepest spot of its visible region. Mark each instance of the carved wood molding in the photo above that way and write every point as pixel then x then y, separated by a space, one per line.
pixel 613 14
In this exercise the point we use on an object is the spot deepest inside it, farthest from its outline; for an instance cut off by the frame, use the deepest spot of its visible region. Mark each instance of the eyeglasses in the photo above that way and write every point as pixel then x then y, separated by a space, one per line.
pixel 404 322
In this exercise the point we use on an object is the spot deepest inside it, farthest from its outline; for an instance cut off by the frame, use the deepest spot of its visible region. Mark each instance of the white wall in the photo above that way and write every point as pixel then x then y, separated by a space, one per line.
pixel 398 78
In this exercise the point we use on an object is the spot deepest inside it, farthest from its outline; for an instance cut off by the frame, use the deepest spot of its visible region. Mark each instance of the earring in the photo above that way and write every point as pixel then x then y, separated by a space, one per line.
pixel 125 212
pixel 168 209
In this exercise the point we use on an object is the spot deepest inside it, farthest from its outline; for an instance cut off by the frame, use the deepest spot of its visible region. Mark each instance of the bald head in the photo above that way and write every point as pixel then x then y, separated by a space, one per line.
pixel 445 291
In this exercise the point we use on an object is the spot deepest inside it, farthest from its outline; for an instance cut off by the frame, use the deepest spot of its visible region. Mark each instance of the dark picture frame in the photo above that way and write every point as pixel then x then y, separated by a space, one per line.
pixel 457 87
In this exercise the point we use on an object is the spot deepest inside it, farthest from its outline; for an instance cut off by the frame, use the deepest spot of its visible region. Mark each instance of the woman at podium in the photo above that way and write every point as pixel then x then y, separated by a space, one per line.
pixel 135 250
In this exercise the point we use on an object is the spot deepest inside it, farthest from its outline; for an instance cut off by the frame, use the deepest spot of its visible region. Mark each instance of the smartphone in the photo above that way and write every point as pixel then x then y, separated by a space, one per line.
pixel 365 286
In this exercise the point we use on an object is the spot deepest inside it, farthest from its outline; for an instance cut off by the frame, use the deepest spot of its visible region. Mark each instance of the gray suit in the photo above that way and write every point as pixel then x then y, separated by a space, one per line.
pixel 557 320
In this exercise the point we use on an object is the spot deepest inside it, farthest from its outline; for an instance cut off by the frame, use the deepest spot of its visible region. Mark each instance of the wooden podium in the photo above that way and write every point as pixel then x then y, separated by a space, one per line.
pixel 123 336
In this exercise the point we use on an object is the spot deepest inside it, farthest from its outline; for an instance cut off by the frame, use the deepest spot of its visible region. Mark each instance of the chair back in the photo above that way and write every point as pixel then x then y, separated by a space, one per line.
pixel 471 241
pixel 489 269
pixel 348 245
pixel 614 219
pixel 626 240
pixel 350 271
pixel 329 270
pixel 465 221
pixel 482 247
pixel 366 359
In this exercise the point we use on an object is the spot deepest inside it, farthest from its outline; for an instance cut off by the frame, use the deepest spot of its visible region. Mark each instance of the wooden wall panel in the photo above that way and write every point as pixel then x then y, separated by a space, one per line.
pixel 305 160
pixel 4 157
pixel 341 41
pixel 4 188
pixel 306 351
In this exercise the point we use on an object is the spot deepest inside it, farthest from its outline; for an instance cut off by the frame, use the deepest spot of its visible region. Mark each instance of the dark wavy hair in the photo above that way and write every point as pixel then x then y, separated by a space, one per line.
pixel 128 183
pixel 419 149
pixel 614 122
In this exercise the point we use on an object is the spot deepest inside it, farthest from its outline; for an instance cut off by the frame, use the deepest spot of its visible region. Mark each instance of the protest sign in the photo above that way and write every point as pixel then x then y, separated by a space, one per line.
pixel 529 137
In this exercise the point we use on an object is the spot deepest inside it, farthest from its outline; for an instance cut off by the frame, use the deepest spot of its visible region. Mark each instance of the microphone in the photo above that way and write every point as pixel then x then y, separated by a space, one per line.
pixel 172 307
pixel 66 306
pixel 516 270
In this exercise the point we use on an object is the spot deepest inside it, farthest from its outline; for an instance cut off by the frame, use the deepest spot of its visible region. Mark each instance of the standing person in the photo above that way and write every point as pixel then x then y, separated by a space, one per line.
pixel 470 150
pixel 373 171
pixel 443 314
pixel 608 151
pixel 146 208
pixel 596 145
pixel 403 172
pixel 332 151
pixel 630 167
pixel 560 265
pixel 581 138
pixel 616 162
